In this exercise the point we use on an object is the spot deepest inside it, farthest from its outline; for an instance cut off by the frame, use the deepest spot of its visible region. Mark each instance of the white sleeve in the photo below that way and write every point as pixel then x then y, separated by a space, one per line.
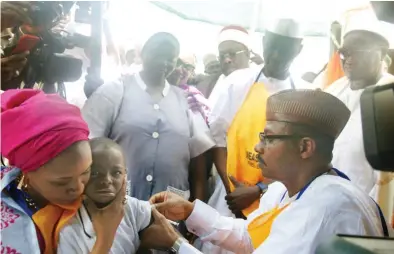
pixel 201 140
pixel 102 107
pixel 187 248
pixel 225 232
pixel 140 212
pixel 230 99
pixel 219 119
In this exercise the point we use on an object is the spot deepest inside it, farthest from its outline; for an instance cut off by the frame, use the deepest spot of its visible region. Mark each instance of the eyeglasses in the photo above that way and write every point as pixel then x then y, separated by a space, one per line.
pixel 264 138
pixel 184 65
pixel 345 53
pixel 230 55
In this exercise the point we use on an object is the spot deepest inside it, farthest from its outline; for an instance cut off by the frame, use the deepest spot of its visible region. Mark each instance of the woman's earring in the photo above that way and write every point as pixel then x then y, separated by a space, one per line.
pixel 21 183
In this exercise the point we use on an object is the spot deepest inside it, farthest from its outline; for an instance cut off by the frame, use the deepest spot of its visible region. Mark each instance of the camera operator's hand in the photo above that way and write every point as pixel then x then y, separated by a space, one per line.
pixel 14 14
pixel 11 66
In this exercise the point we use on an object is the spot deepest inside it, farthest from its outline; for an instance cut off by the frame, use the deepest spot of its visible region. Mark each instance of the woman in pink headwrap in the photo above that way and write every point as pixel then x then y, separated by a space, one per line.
pixel 46 143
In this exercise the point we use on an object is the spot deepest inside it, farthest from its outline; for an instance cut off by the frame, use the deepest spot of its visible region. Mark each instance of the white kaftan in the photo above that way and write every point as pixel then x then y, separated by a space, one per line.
pixel 79 236
pixel 329 206
pixel 349 153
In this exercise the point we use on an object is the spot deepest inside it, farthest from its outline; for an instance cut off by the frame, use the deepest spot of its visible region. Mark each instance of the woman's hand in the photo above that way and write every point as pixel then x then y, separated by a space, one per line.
pixel 172 206
pixel 106 220
pixel 160 235
pixel 194 104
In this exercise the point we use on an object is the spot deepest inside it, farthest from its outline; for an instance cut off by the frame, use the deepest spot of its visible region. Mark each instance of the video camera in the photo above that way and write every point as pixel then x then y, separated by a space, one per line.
pixel 377 110
pixel 47 64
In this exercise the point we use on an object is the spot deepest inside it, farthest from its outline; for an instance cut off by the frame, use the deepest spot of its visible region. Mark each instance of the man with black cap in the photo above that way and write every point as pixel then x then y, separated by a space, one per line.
pixel 364 48
pixel 240 113
pixel 309 202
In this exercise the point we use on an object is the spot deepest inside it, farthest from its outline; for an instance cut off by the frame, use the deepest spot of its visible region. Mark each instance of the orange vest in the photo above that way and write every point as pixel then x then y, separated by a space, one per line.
pixel 260 228
pixel 242 137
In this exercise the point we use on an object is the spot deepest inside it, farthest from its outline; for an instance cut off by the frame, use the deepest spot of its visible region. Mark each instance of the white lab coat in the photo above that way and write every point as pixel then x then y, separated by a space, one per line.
pixel 349 153
pixel 329 206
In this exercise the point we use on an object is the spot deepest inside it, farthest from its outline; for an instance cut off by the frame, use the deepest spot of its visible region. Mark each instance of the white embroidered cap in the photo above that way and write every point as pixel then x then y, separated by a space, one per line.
pixel 234 33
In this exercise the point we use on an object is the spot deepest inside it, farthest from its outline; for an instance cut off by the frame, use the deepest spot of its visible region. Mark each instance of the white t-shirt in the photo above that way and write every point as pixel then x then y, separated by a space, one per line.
pixel 79 236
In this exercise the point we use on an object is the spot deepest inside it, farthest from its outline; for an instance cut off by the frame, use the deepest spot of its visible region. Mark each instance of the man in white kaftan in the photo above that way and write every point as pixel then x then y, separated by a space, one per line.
pixel 363 52
pixel 312 201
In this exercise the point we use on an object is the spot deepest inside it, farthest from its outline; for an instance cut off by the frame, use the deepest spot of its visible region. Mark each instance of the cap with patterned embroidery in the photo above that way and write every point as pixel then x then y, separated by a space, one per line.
pixel 313 108
pixel 234 33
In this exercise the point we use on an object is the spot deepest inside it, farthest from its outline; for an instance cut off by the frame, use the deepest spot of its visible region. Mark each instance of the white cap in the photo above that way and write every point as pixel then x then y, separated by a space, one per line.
pixel 234 33
pixel 285 27
pixel 364 21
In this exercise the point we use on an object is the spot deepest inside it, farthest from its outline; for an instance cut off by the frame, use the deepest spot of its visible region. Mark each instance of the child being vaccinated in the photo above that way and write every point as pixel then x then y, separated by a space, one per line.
pixel 107 179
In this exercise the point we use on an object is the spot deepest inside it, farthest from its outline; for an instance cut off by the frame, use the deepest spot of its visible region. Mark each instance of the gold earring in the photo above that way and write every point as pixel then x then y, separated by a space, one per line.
pixel 21 183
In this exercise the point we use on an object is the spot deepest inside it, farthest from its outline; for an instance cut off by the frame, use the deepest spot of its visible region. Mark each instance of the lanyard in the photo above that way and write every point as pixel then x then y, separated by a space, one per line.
pixel 344 176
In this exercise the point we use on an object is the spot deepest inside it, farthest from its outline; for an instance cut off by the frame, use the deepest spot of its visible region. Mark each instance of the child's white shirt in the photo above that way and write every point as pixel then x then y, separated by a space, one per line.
pixel 79 236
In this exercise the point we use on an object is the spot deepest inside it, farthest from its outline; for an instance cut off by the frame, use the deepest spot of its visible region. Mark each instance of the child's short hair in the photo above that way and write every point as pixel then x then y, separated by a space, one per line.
pixel 103 143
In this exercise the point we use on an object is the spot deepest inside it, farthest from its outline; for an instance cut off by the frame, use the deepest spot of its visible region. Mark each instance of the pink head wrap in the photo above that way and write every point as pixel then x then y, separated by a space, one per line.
pixel 36 127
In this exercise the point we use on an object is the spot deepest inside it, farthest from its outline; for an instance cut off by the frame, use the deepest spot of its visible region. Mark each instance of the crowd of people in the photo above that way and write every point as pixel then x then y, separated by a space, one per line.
pixel 245 158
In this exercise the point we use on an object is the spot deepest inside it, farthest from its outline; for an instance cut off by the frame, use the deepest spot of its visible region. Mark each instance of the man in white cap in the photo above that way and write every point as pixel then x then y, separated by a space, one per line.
pixel 234 55
pixel 240 113
pixel 364 48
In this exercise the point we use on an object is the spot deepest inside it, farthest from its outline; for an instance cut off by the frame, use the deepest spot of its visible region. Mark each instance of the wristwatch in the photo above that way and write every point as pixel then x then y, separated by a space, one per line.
pixel 177 245
pixel 263 187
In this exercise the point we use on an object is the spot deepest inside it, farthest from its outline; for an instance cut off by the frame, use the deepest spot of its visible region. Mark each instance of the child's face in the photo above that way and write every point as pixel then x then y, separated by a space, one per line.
pixel 107 174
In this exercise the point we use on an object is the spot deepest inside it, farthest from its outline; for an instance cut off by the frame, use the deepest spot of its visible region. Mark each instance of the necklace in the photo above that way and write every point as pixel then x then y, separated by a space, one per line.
pixel 29 201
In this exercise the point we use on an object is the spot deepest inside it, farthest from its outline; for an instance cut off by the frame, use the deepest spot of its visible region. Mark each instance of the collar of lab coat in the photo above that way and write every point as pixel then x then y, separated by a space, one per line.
pixel 143 86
